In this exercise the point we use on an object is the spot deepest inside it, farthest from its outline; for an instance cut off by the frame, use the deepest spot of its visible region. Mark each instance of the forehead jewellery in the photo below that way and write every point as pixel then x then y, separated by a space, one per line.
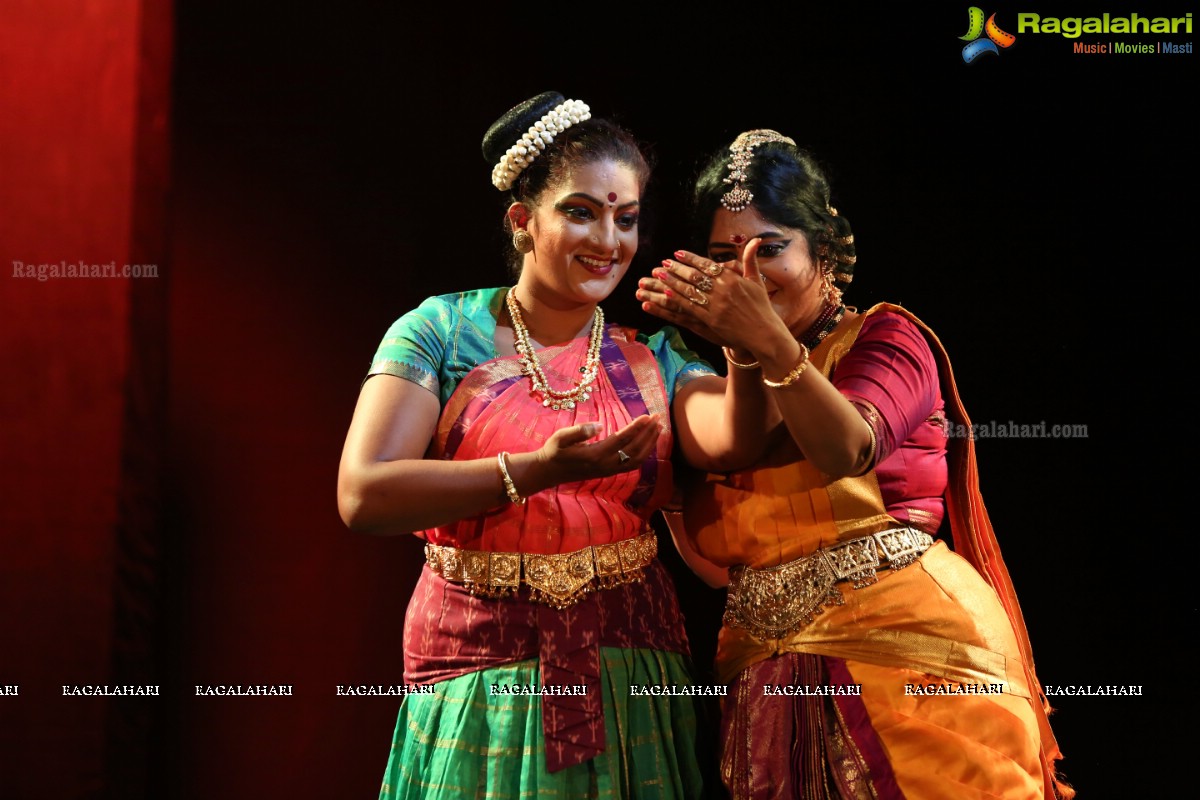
pixel 741 153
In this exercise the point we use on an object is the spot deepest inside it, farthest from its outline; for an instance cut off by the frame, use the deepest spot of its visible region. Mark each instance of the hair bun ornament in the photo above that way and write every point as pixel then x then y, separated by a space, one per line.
pixel 520 136
pixel 741 153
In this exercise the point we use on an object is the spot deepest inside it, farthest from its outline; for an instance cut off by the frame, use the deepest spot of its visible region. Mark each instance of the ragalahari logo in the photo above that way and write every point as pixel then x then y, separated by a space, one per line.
pixel 976 27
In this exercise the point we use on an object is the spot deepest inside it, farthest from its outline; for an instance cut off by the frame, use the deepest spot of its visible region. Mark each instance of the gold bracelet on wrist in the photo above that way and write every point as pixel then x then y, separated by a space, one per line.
pixel 509 487
pixel 729 357
pixel 792 376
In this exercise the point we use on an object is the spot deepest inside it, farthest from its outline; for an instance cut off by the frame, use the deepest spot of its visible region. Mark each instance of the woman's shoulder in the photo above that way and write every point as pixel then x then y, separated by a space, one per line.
pixel 666 336
pixel 889 313
pixel 888 319
pixel 468 303
pixel 669 347
pixel 666 344
pixel 468 300
pixel 888 329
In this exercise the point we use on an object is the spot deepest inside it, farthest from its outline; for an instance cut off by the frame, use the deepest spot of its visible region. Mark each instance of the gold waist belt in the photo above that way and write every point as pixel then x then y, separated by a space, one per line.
pixel 777 601
pixel 559 580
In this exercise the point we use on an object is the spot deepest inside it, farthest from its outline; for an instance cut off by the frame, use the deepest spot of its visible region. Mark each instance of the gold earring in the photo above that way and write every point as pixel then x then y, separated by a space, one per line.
pixel 522 242
pixel 829 292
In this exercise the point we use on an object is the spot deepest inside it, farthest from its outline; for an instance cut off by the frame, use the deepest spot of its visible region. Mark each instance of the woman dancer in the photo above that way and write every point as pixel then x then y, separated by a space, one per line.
pixel 528 441
pixel 891 666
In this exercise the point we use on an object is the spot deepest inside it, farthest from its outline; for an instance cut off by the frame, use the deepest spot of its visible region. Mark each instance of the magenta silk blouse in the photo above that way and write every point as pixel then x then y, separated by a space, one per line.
pixel 891 376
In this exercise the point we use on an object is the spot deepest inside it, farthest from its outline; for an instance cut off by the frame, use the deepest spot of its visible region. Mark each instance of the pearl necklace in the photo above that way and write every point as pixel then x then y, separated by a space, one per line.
pixel 552 398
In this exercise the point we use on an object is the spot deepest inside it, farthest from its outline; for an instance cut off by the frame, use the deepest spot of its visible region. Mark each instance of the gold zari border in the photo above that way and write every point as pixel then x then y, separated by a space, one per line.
pixel 777 601
pixel 558 580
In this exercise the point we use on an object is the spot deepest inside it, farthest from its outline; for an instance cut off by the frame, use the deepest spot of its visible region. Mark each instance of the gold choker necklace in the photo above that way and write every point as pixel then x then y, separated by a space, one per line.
pixel 552 398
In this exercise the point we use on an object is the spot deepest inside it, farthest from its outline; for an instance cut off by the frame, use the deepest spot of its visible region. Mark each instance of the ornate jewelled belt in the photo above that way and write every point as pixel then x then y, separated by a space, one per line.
pixel 558 580
pixel 777 601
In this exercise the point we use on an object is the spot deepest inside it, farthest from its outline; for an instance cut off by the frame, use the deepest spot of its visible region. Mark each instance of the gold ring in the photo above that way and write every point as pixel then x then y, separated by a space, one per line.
pixel 713 270
pixel 698 297
pixel 705 284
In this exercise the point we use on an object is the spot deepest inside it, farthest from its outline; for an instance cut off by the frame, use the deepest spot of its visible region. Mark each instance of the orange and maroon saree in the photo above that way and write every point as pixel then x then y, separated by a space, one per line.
pixel 854 691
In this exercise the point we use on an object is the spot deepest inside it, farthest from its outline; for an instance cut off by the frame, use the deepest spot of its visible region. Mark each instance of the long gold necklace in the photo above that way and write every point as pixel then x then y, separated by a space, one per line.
pixel 552 398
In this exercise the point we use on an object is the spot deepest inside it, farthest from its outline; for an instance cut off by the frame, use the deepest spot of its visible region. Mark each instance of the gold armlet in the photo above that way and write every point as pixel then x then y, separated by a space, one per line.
pixel 867 465
pixel 870 415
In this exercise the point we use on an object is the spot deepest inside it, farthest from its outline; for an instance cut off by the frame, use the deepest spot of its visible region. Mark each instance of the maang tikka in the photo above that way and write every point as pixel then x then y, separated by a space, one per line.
pixel 742 151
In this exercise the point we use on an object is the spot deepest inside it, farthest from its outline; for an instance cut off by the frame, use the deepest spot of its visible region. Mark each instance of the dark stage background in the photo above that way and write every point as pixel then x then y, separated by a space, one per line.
pixel 301 177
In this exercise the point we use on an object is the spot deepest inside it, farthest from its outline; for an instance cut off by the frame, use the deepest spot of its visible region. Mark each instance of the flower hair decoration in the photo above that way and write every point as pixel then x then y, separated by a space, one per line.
pixel 534 141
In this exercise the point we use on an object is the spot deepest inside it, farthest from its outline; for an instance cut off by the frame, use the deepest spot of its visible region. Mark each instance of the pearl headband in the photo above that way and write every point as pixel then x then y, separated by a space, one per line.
pixel 742 150
pixel 534 141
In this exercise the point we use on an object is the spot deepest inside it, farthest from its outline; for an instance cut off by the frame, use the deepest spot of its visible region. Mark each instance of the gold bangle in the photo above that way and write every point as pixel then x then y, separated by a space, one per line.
pixel 509 487
pixel 792 376
pixel 738 364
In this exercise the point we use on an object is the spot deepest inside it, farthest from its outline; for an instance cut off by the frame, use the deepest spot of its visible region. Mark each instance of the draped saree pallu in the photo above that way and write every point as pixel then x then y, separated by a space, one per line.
pixel 893 666
pixel 532 621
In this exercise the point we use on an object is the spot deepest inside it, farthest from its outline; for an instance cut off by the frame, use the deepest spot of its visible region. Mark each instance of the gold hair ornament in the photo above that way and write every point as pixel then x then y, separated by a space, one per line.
pixel 741 153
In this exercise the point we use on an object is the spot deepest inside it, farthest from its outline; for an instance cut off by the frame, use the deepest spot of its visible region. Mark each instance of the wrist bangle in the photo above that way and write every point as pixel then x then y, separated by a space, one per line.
pixel 729 357
pixel 509 487
pixel 792 376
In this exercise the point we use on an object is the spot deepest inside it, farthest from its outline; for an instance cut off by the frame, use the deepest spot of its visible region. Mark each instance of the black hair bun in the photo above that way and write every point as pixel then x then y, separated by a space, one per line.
pixel 505 131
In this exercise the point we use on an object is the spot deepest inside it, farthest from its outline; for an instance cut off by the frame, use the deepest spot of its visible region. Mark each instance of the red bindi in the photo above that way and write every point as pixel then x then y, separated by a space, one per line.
pixel 738 238
pixel 612 197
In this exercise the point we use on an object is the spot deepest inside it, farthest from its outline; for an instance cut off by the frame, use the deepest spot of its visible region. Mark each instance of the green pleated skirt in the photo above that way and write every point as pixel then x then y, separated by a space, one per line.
pixel 463 742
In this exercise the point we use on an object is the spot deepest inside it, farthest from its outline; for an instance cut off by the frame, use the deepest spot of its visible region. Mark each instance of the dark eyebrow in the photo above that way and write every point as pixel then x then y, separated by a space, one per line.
pixel 765 235
pixel 601 203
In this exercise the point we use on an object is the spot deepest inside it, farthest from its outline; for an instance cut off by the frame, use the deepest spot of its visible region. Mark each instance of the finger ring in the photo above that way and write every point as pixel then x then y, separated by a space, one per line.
pixel 621 454
pixel 705 284
pixel 698 297
pixel 713 270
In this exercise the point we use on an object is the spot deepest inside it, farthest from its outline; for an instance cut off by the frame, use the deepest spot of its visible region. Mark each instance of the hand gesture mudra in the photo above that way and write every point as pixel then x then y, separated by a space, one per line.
pixel 726 303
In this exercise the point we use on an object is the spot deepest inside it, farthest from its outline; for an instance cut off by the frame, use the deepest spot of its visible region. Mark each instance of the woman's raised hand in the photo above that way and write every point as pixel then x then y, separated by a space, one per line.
pixel 726 303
